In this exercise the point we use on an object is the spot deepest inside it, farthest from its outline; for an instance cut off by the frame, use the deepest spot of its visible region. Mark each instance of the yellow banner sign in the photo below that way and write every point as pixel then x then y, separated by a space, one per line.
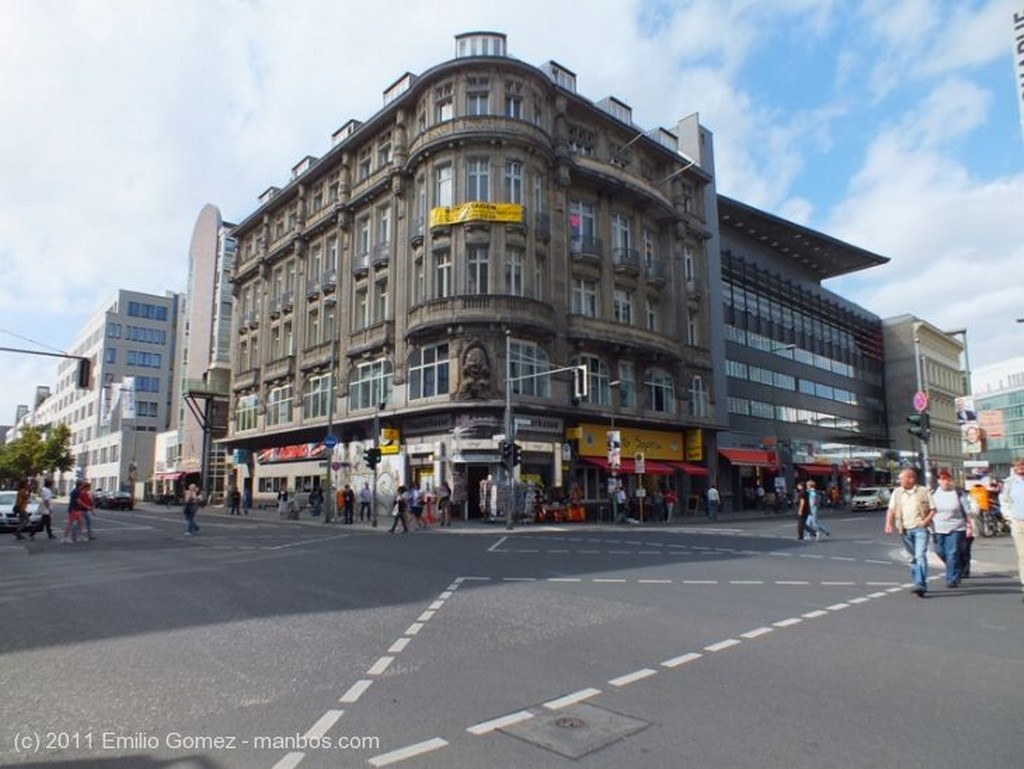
pixel 654 444
pixel 476 212
pixel 389 440
pixel 693 443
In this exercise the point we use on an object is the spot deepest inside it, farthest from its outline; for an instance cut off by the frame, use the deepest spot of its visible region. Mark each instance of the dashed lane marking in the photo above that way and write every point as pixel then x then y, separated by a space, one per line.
pixel 571 699
pixel 629 678
pixel 427 746
pixel 500 723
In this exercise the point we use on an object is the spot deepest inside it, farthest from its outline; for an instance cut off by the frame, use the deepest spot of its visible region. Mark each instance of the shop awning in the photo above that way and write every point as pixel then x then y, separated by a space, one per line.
pixel 628 466
pixel 749 457
pixel 815 469
pixel 688 468
pixel 167 476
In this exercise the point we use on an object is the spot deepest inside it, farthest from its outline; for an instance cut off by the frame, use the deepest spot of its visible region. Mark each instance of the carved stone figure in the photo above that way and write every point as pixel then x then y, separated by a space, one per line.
pixel 475 374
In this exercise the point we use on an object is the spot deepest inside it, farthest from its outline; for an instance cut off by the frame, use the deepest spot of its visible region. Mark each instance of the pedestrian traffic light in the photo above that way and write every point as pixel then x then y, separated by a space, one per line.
pixel 517 454
pixel 920 426
pixel 506 454
pixel 372 457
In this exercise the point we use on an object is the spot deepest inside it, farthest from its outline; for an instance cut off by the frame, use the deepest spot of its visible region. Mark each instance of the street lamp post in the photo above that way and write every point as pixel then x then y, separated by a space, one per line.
pixel 509 429
pixel 920 388
pixel 614 386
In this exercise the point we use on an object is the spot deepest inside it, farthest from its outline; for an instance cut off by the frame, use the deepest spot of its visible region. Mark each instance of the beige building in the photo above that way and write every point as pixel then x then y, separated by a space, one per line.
pixel 488 221
pixel 920 356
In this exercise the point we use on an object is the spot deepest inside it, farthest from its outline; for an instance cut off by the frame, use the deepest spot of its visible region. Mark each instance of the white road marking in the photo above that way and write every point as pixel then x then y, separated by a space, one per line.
pixel 883 563
pixel 756 633
pixel 435 605
pixel 814 614
pixel 838 606
pixel 355 691
pixel 564 579
pixel 746 582
pixel 321 727
pixel 654 581
pixel 399 645
pixel 496 545
pixel 681 660
pixel 290 761
pixel 445 595
pixel 571 699
pixel 636 675
pixel 717 647
pixel 519 579
pixel 788 622
pixel 387 759
pixel 414 628
pixel 603 580
pixel 500 723
pixel 861 599
pixel 839 584
pixel 791 582
pixel 879 594
pixel 841 558
pixel 425 616
pixel 700 581
pixel 380 666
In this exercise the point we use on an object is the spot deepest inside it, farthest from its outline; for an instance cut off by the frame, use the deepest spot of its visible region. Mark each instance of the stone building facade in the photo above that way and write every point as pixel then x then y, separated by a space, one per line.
pixel 487 225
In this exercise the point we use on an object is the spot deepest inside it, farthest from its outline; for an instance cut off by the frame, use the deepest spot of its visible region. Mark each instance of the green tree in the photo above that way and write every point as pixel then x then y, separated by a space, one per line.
pixel 57 455
pixel 24 456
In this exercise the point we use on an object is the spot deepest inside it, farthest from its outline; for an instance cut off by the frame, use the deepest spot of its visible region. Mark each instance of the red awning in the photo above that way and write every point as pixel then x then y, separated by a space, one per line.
pixel 749 457
pixel 167 476
pixel 628 467
pixel 815 469
pixel 688 468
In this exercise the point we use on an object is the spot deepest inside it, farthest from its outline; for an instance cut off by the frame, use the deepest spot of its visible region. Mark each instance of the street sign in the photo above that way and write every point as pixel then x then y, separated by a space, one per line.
pixel 920 401
pixel 640 463
pixel 330 440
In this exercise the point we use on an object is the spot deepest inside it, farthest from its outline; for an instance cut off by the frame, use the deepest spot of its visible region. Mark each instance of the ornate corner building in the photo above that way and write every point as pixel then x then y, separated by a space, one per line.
pixel 487 225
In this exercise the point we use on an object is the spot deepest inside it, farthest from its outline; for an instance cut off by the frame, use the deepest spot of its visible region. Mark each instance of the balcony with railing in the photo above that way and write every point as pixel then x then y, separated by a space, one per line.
pixel 656 270
pixel 417 229
pixel 626 260
pixel 633 339
pixel 280 368
pixel 378 334
pixel 380 255
pixel 245 380
pixel 329 281
pixel 360 264
pixel 586 248
pixel 312 287
pixel 485 126
pixel 520 311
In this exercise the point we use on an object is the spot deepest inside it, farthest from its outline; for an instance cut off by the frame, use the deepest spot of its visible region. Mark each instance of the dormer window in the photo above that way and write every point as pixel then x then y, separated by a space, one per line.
pixel 479 44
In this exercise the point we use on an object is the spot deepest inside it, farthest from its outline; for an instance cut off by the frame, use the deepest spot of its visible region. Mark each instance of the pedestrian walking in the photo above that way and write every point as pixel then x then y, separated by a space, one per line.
pixel 46 509
pixel 714 502
pixel 804 530
pixel 814 510
pixel 74 522
pixel 282 503
pixel 365 502
pixel 348 500
pixel 670 503
pixel 398 511
pixel 910 513
pixel 193 498
pixel 949 526
pixel 85 507
pixel 415 505
pixel 444 503
pixel 21 510
pixel 1011 503
pixel 246 500
pixel 236 501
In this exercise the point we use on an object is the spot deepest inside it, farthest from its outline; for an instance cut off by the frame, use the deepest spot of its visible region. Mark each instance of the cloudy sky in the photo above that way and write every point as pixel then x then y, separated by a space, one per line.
pixel 891 124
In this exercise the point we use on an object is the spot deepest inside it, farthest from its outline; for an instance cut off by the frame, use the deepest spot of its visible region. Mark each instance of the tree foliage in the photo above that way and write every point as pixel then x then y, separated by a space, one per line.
pixel 37 450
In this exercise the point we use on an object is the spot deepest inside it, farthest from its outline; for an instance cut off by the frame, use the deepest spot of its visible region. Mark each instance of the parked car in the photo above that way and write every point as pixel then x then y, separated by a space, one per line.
pixel 116 500
pixel 9 521
pixel 870 498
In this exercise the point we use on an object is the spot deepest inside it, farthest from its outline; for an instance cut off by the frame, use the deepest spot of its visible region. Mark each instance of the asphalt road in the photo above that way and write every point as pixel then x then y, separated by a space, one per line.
pixel 262 644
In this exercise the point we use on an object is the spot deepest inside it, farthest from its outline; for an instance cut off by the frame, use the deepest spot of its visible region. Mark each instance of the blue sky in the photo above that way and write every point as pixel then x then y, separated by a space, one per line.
pixel 892 124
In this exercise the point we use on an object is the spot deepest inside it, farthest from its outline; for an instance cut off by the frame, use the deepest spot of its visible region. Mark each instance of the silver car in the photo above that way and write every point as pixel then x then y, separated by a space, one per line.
pixel 870 498
pixel 9 519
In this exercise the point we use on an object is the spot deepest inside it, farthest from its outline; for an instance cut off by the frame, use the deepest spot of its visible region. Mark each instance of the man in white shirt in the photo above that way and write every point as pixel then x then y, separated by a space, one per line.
pixel 910 513
pixel 1011 502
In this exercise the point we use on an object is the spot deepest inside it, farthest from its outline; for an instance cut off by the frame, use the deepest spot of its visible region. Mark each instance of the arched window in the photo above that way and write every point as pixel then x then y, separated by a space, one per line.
pixel 599 388
pixel 659 391
pixel 526 361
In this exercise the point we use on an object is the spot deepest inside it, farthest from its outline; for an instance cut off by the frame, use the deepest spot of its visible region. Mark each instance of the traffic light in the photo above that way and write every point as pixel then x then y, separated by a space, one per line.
pixel 84 379
pixel 580 383
pixel 506 454
pixel 517 454
pixel 372 457
pixel 920 426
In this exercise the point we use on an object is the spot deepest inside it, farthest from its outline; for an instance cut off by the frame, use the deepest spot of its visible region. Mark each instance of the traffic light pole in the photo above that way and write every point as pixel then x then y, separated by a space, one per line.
pixel 376 446
pixel 920 388
pixel 509 434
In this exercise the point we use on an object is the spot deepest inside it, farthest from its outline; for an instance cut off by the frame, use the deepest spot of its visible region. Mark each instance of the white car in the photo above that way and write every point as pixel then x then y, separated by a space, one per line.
pixel 870 498
pixel 9 520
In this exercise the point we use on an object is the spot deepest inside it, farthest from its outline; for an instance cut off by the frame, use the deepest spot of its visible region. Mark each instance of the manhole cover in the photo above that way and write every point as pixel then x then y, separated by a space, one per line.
pixel 575 731
pixel 569 722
